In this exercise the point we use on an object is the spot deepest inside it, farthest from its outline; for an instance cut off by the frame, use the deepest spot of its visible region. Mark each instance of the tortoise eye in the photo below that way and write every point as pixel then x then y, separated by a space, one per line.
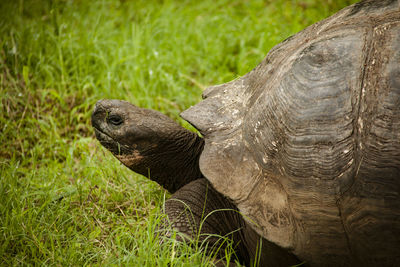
pixel 115 120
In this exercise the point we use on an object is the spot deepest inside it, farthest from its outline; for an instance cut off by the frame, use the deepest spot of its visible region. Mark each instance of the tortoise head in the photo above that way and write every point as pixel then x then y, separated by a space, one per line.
pixel 128 131
pixel 146 140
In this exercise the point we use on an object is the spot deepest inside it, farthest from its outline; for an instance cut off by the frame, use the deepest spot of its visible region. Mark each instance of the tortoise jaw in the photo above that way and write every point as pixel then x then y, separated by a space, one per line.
pixel 107 141
pixel 111 144
pixel 102 136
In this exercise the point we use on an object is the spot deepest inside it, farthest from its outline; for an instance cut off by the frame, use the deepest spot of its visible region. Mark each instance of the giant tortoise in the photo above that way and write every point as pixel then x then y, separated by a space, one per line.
pixel 300 156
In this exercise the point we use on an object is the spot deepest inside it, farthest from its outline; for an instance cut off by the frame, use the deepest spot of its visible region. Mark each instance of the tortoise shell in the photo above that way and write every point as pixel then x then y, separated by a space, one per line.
pixel 307 144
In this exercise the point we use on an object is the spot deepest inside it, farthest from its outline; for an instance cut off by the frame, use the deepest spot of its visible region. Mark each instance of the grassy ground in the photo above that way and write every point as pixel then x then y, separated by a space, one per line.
pixel 64 200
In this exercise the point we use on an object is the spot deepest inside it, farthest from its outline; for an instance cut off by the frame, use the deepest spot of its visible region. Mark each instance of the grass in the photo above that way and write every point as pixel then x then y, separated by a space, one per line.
pixel 64 200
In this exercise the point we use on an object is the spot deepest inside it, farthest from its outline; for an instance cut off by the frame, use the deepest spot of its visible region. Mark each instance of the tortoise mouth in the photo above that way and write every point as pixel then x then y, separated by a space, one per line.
pixel 104 138
pixel 111 144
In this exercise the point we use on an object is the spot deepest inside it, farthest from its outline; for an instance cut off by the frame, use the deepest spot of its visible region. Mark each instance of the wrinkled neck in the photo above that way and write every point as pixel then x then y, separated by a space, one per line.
pixel 174 162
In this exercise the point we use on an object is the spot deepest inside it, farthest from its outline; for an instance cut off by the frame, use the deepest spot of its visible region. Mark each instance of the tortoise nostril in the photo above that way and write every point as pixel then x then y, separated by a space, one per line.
pixel 95 118
pixel 98 114
pixel 99 105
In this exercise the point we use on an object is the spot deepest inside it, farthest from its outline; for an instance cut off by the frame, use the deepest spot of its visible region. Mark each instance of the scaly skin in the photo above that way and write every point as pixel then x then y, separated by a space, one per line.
pixel 199 211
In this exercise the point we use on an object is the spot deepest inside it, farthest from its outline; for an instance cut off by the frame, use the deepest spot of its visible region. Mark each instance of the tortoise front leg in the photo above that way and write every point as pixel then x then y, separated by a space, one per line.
pixel 200 213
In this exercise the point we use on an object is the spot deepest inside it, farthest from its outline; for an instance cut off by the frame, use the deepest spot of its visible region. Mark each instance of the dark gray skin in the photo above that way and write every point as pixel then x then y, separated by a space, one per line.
pixel 155 146
pixel 149 143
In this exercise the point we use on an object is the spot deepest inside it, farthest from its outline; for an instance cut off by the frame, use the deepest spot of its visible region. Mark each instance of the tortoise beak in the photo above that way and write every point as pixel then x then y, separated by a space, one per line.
pixel 98 114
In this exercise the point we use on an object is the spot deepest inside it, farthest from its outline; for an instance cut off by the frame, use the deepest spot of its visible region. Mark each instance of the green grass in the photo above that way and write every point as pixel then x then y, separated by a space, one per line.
pixel 64 200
